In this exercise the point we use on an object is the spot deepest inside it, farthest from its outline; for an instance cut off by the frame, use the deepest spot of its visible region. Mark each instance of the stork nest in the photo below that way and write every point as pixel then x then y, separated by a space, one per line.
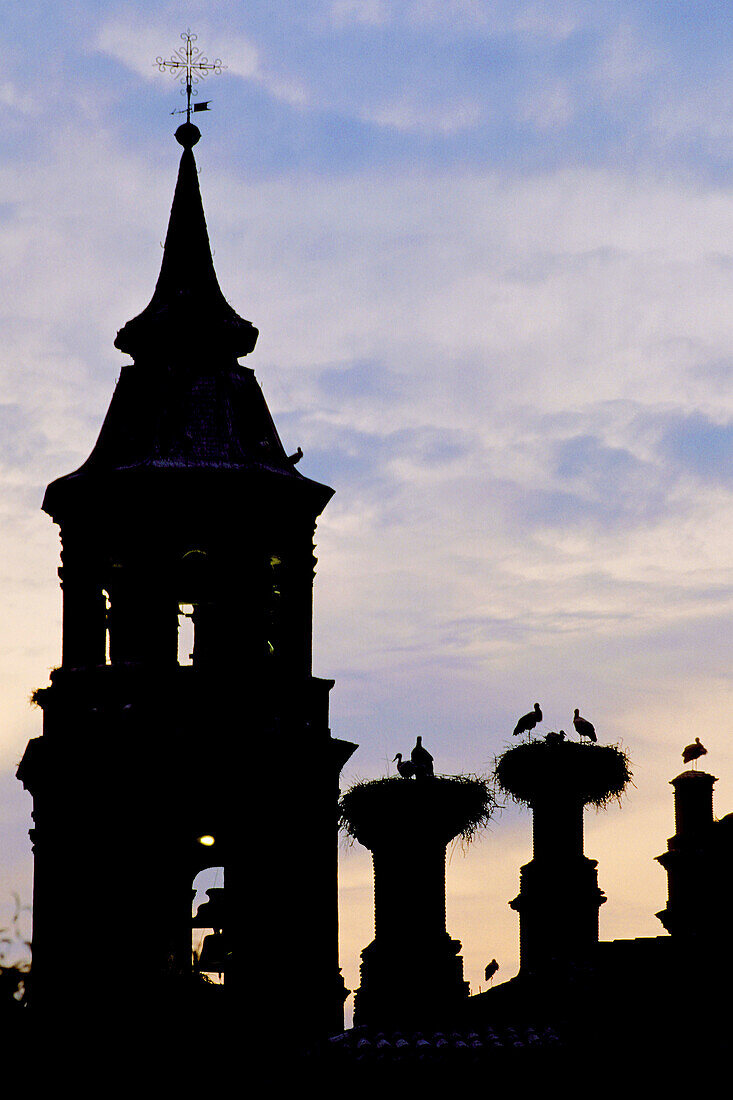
pixel 538 770
pixel 446 806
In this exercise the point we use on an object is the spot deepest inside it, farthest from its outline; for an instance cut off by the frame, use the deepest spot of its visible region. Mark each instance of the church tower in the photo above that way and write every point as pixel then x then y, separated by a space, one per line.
pixel 185 706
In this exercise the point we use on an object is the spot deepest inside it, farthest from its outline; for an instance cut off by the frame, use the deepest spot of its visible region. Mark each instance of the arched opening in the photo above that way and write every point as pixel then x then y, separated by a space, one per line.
pixel 275 605
pixel 207 924
pixel 192 583
pixel 186 633
pixel 107 616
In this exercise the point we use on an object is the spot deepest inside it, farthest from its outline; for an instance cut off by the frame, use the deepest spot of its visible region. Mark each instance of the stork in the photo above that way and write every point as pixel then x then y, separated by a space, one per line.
pixel 584 728
pixel 421 759
pixel 490 970
pixel 528 721
pixel 404 767
pixel 693 751
pixel 554 738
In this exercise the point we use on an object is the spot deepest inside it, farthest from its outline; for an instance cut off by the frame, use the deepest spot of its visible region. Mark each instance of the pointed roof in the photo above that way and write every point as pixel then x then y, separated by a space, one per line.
pixel 187 307
pixel 185 403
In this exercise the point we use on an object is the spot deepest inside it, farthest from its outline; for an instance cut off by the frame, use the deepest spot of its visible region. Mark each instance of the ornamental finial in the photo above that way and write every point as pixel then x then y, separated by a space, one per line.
pixel 190 66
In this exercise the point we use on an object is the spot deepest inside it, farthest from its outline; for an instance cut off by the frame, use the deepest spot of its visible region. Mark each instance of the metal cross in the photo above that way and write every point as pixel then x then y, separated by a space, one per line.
pixel 189 66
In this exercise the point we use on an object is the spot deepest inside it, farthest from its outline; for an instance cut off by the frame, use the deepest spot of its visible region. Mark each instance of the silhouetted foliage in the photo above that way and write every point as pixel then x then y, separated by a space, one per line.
pixel 596 774
pixel 15 963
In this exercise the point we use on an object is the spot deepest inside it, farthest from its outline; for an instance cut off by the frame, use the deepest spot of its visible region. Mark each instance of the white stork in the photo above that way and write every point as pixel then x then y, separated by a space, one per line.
pixel 528 721
pixel 490 970
pixel 421 759
pixel 693 751
pixel 584 728
pixel 404 767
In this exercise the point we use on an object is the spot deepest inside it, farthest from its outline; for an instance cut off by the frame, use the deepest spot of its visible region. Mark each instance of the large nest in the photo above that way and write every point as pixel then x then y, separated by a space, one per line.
pixel 444 806
pixel 541 770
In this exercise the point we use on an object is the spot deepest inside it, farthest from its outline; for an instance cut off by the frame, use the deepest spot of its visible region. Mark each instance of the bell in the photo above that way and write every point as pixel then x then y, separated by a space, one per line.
pixel 210 914
pixel 214 954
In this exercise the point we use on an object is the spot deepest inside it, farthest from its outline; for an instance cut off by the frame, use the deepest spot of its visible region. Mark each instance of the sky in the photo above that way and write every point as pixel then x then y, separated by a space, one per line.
pixel 489 249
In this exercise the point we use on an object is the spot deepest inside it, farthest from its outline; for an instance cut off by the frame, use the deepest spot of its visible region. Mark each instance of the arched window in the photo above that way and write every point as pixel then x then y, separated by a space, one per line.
pixel 208 923
pixel 107 617
pixel 192 586
pixel 275 605
pixel 186 632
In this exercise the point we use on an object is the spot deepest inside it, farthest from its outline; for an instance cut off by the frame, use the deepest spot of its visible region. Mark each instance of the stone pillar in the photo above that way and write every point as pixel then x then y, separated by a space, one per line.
pixel 411 973
pixel 695 874
pixel 559 896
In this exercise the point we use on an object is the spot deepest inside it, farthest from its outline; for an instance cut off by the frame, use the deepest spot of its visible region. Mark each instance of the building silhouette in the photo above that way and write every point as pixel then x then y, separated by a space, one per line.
pixel 559 898
pixel 187 575
pixel 580 1004
pixel 698 865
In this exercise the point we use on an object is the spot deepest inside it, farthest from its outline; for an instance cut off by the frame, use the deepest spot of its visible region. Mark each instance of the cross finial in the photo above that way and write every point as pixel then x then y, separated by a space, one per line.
pixel 189 65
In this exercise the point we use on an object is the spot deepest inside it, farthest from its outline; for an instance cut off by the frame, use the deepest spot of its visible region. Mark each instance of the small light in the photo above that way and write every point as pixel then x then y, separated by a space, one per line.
pixel 206 840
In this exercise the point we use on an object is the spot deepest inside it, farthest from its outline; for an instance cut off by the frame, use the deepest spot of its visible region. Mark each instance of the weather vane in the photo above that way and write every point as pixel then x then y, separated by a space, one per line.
pixel 190 66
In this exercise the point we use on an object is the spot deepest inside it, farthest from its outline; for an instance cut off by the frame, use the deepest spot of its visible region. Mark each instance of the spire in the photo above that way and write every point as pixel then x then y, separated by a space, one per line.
pixel 185 403
pixel 188 310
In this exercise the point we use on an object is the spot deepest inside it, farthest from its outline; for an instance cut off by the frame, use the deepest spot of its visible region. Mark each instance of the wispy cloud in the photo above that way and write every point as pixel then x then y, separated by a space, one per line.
pixel 369 13
pixel 411 114
pixel 488 250
pixel 533 19
pixel 625 62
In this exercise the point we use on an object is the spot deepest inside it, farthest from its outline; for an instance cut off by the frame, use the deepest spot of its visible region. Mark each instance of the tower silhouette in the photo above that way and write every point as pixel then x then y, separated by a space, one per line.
pixel 185 704
pixel 411 972
pixel 697 860
pixel 559 896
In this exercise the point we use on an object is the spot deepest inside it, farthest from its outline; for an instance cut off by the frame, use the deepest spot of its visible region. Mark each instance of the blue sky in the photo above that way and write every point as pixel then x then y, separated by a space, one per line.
pixel 489 248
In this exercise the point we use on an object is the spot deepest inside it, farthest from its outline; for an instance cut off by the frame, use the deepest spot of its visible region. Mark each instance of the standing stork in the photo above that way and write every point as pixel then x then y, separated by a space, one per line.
pixel 491 969
pixel 693 751
pixel 421 759
pixel 528 721
pixel 584 728
pixel 404 767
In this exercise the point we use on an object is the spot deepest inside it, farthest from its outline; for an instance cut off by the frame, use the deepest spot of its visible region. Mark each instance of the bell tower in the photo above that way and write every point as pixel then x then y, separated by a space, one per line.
pixel 185 705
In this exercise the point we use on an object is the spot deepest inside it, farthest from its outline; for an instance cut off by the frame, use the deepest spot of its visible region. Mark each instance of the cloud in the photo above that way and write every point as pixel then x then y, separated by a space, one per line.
pixel 609 482
pixel 625 63
pixel 701 118
pixel 516 377
pixel 370 13
pixel 13 99
pixel 135 42
pixel 545 19
pixel 412 114
pixel 549 107
pixel 20 442
pixel 535 19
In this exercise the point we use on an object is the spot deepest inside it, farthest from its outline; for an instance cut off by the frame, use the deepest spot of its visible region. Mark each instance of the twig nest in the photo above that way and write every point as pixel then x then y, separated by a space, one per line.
pixel 540 771
pixel 438 807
